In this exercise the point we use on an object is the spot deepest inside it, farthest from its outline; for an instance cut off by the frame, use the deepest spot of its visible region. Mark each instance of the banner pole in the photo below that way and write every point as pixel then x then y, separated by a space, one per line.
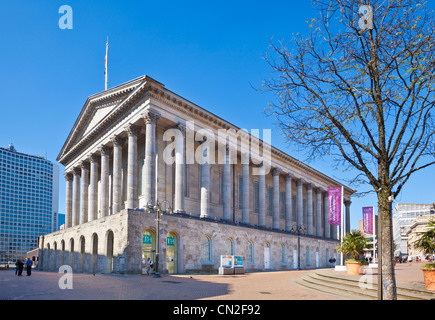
pixel 342 224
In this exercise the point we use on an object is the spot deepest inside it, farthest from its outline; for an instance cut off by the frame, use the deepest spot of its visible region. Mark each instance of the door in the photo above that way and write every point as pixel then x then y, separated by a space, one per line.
pixel 172 253
pixel 266 256
pixel 295 257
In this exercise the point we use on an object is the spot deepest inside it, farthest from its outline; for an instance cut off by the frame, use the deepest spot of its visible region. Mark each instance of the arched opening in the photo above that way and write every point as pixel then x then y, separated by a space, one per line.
pixel 267 255
pixel 172 253
pixel 109 251
pixel 82 254
pixel 48 257
pixel 295 257
pixel 62 255
pixel 55 256
pixel 148 248
pixel 71 254
pixel 94 253
pixel 229 247
pixel 205 249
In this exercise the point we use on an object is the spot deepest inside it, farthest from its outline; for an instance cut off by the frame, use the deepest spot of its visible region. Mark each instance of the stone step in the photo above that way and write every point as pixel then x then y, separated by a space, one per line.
pixel 333 287
pixel 352 287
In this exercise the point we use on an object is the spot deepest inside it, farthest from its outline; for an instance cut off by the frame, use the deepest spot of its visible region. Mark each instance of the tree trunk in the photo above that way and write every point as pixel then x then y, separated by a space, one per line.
pixel 386 276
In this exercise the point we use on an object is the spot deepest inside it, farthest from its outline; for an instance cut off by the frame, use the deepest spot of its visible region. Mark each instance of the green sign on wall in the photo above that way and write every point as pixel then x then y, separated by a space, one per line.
pixel 147 239
pixel 170 241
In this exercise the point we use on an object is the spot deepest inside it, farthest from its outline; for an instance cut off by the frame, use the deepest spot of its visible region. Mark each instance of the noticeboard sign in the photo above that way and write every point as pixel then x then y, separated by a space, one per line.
pixel 146 239
pixel 238 261
pixel 227 261
pixel 170 241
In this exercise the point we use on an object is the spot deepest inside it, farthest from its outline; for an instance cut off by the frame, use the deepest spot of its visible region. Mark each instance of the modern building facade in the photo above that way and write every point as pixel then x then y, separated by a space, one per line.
pixel 29 191
pixel 139 144
pixel 404 216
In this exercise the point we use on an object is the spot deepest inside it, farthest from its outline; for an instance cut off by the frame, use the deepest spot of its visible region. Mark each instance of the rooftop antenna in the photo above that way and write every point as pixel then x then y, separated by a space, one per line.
pixel 106 62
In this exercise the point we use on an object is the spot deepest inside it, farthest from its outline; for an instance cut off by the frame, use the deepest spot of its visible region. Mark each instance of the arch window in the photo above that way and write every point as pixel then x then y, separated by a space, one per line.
pixel 229 247
pixel 205 249
pixel 250 252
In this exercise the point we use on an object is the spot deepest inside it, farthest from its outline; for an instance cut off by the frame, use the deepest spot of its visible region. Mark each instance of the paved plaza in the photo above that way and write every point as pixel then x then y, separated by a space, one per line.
pixel 251 286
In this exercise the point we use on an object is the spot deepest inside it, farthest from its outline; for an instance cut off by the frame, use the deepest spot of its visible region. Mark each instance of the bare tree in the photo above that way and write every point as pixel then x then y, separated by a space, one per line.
pixel 359 88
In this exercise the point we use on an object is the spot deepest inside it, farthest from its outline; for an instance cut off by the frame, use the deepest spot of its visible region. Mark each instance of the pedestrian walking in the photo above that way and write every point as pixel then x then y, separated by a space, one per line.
pixel 16 268
pixel 29 264
pixel 20 266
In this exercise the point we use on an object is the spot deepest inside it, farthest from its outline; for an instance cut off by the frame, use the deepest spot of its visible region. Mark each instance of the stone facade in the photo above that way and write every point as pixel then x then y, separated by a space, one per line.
pixel 139 144
pixel 114 244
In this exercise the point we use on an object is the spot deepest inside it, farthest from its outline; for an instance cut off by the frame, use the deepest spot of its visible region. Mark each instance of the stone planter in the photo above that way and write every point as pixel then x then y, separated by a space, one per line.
pixel 429 278
pixel 354 268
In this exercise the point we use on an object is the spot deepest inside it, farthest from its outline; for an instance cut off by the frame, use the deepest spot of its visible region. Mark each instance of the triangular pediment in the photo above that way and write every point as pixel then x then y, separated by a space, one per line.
pixel 99 107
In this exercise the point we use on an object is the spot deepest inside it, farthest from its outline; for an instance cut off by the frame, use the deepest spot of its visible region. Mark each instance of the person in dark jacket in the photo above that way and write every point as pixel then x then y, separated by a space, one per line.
pixel 20 266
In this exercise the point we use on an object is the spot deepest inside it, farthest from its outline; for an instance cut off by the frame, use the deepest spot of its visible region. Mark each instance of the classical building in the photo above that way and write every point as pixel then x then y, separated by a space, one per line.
pixel 222 191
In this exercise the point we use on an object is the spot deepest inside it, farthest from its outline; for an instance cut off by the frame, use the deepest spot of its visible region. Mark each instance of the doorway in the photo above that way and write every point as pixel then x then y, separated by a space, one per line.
pixel 172 253
pixel 266 256
pixel 148 249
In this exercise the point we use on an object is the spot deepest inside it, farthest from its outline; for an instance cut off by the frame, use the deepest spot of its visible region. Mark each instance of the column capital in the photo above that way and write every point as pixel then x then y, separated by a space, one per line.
pixel 77 171
pixel 118 141
pixel 310 186
pixel 181 127
pixel 347 202
pixel 105 150
pixel 133 130
pixel 94 157
pixel 320 190
pixel 85 165
pixel 151 117
pixel 289 176
pixel 276 172
pixel 300 182
pixel 68 176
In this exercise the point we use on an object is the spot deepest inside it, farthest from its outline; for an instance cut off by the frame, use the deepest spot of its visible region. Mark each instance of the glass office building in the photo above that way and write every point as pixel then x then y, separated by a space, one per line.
pixel 29 191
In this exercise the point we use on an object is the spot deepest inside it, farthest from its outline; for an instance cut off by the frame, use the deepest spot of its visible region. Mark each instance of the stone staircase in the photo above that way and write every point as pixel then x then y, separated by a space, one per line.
pixel 348 287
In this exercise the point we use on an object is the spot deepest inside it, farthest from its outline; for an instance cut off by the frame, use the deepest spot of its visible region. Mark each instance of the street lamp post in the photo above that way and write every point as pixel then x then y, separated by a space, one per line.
pixel 299 230
pixel 157 209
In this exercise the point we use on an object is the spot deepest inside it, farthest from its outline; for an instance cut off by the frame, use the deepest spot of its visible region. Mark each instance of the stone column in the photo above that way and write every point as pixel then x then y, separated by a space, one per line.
pixel 150 119
pixel 300 203
pixel 205 181
pixel 347 205
pixel 68 199
pixel 319 229
pixel 117 174
pixel 76 197
pixel 179 169
pixel 262 197
pixel 245 189
pixel 227 187
pixel 104 192
pixel 288 202
pixel 310 218
pixel 131 198
pixel 275 197
pixel 326 210
pixel 84 192
pixel 93 189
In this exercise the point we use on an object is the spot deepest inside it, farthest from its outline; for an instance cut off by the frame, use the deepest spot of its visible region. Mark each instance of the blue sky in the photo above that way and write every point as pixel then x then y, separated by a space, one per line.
pixel 209 53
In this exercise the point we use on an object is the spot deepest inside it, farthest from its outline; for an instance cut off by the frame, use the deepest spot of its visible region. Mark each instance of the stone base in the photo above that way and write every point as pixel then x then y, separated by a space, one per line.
pixel 340 268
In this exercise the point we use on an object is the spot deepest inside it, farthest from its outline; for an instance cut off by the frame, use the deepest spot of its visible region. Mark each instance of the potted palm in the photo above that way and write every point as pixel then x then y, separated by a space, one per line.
pixel 426 243
pixel 353 245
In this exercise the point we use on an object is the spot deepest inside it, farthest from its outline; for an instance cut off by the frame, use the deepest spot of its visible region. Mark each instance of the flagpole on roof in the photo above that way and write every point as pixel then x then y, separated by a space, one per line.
pixel 106 62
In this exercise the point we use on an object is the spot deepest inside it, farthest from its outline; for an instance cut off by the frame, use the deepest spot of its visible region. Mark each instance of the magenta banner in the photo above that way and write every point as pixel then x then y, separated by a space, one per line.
pixel 334 203
pixel 368 220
